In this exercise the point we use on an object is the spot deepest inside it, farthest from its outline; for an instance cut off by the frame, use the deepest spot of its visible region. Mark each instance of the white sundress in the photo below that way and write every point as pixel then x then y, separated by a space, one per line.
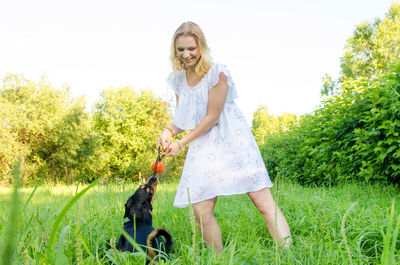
pixel 225 160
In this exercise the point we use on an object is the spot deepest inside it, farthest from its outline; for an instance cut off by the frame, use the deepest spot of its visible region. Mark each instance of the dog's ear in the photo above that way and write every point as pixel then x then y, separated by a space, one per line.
pixel 153 181
pixel 133 208
pixel 128 205
pixel 135 212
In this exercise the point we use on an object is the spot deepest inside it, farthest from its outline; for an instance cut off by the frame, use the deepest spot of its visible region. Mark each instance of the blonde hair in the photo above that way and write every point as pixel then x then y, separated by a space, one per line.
pixel 193 30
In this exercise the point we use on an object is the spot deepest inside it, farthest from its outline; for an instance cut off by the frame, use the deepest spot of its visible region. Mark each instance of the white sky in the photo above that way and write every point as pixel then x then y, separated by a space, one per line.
pixel 276 51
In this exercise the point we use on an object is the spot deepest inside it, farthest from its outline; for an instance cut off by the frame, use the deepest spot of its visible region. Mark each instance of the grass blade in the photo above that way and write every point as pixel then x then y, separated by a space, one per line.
pixel 63 212
pixel 22 213
pixel 30 197
pixel 394 242
pixel 79 235
pixel 344 234
pixel 2 223
pixel 193 227
pixel 275 237
pixel 60 257
pixel 116 253
pixel 388 252
pixel 26 227
pixel 387 238
pixel 12 220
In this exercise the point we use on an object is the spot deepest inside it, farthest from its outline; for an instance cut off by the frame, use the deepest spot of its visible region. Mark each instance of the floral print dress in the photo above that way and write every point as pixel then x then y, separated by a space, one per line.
pixel 223 161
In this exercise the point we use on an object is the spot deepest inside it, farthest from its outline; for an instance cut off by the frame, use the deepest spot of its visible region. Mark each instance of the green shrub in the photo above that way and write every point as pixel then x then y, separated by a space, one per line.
pixel 352 136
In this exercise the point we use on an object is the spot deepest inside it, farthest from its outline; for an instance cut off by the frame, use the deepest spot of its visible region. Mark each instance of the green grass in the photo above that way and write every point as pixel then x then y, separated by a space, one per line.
pixel 348 224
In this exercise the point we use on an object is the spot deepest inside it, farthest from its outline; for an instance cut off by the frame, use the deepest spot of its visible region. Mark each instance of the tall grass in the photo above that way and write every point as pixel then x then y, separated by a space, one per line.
pixel 342 228
pixel 10 238
pixel 390 239
pixel 316 217
pixel 60 217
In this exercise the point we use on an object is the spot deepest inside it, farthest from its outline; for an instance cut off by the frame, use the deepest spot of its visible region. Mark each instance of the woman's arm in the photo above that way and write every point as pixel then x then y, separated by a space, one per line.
pixel 216 101
pixel 168 133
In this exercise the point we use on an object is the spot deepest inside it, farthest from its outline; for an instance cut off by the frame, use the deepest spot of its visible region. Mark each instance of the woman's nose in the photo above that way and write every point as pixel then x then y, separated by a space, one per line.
pixel 186 54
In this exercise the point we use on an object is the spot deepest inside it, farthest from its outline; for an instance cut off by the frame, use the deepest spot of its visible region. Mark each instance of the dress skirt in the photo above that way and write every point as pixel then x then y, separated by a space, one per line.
pixel 224 161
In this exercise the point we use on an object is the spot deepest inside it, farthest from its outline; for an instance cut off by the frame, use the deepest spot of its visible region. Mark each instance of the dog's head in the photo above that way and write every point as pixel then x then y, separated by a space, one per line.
pixel 140 203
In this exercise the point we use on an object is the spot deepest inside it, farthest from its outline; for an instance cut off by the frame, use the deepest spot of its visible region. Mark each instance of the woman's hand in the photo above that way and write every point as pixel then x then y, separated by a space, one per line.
pixel 172 150
pixel 165 139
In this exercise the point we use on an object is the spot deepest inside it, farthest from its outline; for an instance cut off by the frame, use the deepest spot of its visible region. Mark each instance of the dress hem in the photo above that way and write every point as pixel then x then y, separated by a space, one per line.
pixel 184 205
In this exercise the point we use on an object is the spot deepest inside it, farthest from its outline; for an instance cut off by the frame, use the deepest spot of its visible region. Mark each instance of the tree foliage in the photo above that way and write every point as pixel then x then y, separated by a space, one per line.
pixel 129 125
pixel 265 124
pixel 29 110
pixel 370 51
pixel 43 125
pixel 62 142
pixel 70 152
pixel 373 47
pixel 354 135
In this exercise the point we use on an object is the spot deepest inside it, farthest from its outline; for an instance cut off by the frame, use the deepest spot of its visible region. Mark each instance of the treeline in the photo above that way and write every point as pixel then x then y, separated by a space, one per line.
pixel 59 141
pixel 354 134
pixel 265 123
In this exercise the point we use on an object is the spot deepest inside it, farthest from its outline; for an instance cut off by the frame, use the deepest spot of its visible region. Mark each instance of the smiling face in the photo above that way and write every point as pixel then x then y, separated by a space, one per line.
pixel 187 51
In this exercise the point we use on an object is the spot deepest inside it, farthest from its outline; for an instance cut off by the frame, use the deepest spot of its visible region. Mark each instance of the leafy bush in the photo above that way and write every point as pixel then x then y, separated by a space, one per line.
pixel 352 136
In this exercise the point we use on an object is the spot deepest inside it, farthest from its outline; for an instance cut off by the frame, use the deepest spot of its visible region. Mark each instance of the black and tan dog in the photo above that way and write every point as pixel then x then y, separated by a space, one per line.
pixel 138 210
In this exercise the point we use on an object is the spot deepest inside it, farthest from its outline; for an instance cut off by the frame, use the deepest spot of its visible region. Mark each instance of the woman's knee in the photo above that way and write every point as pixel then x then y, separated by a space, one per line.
pixel 204 210
pixel 263 201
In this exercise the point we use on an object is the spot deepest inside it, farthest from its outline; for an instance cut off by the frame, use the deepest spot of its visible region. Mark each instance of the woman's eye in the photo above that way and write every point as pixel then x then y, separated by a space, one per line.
pixel 180 50
pixel 192 49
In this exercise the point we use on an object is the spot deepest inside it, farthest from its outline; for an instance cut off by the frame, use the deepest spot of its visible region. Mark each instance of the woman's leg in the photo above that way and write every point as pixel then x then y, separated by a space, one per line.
pixel 207 224
pixel 264 202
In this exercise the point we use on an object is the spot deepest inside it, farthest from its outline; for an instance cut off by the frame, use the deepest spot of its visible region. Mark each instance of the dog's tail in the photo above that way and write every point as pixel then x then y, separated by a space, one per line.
pixel 153 245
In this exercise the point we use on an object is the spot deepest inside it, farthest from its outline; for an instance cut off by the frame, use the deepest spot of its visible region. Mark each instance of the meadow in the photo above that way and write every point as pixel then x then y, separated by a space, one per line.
pixel 346 224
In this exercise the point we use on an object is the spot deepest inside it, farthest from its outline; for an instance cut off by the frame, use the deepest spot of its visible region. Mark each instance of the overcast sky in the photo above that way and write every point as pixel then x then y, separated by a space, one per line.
pixel 276 51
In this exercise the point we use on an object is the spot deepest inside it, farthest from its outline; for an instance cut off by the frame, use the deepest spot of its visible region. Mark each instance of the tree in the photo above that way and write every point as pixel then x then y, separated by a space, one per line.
pixel 70 151
pixel 47 128
pixel 352 136
pixel 263 124
pixel 369 52
pixel 329 86
pixel 9 147
pixel 129 125
pixel 287 120
pixel 30 110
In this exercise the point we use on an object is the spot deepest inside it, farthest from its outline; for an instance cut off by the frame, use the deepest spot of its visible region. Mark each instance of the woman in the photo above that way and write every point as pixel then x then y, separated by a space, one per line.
pixel 223 157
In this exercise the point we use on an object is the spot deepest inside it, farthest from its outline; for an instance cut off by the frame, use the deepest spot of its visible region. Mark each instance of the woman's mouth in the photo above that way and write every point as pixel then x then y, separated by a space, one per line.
pixel 188 60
